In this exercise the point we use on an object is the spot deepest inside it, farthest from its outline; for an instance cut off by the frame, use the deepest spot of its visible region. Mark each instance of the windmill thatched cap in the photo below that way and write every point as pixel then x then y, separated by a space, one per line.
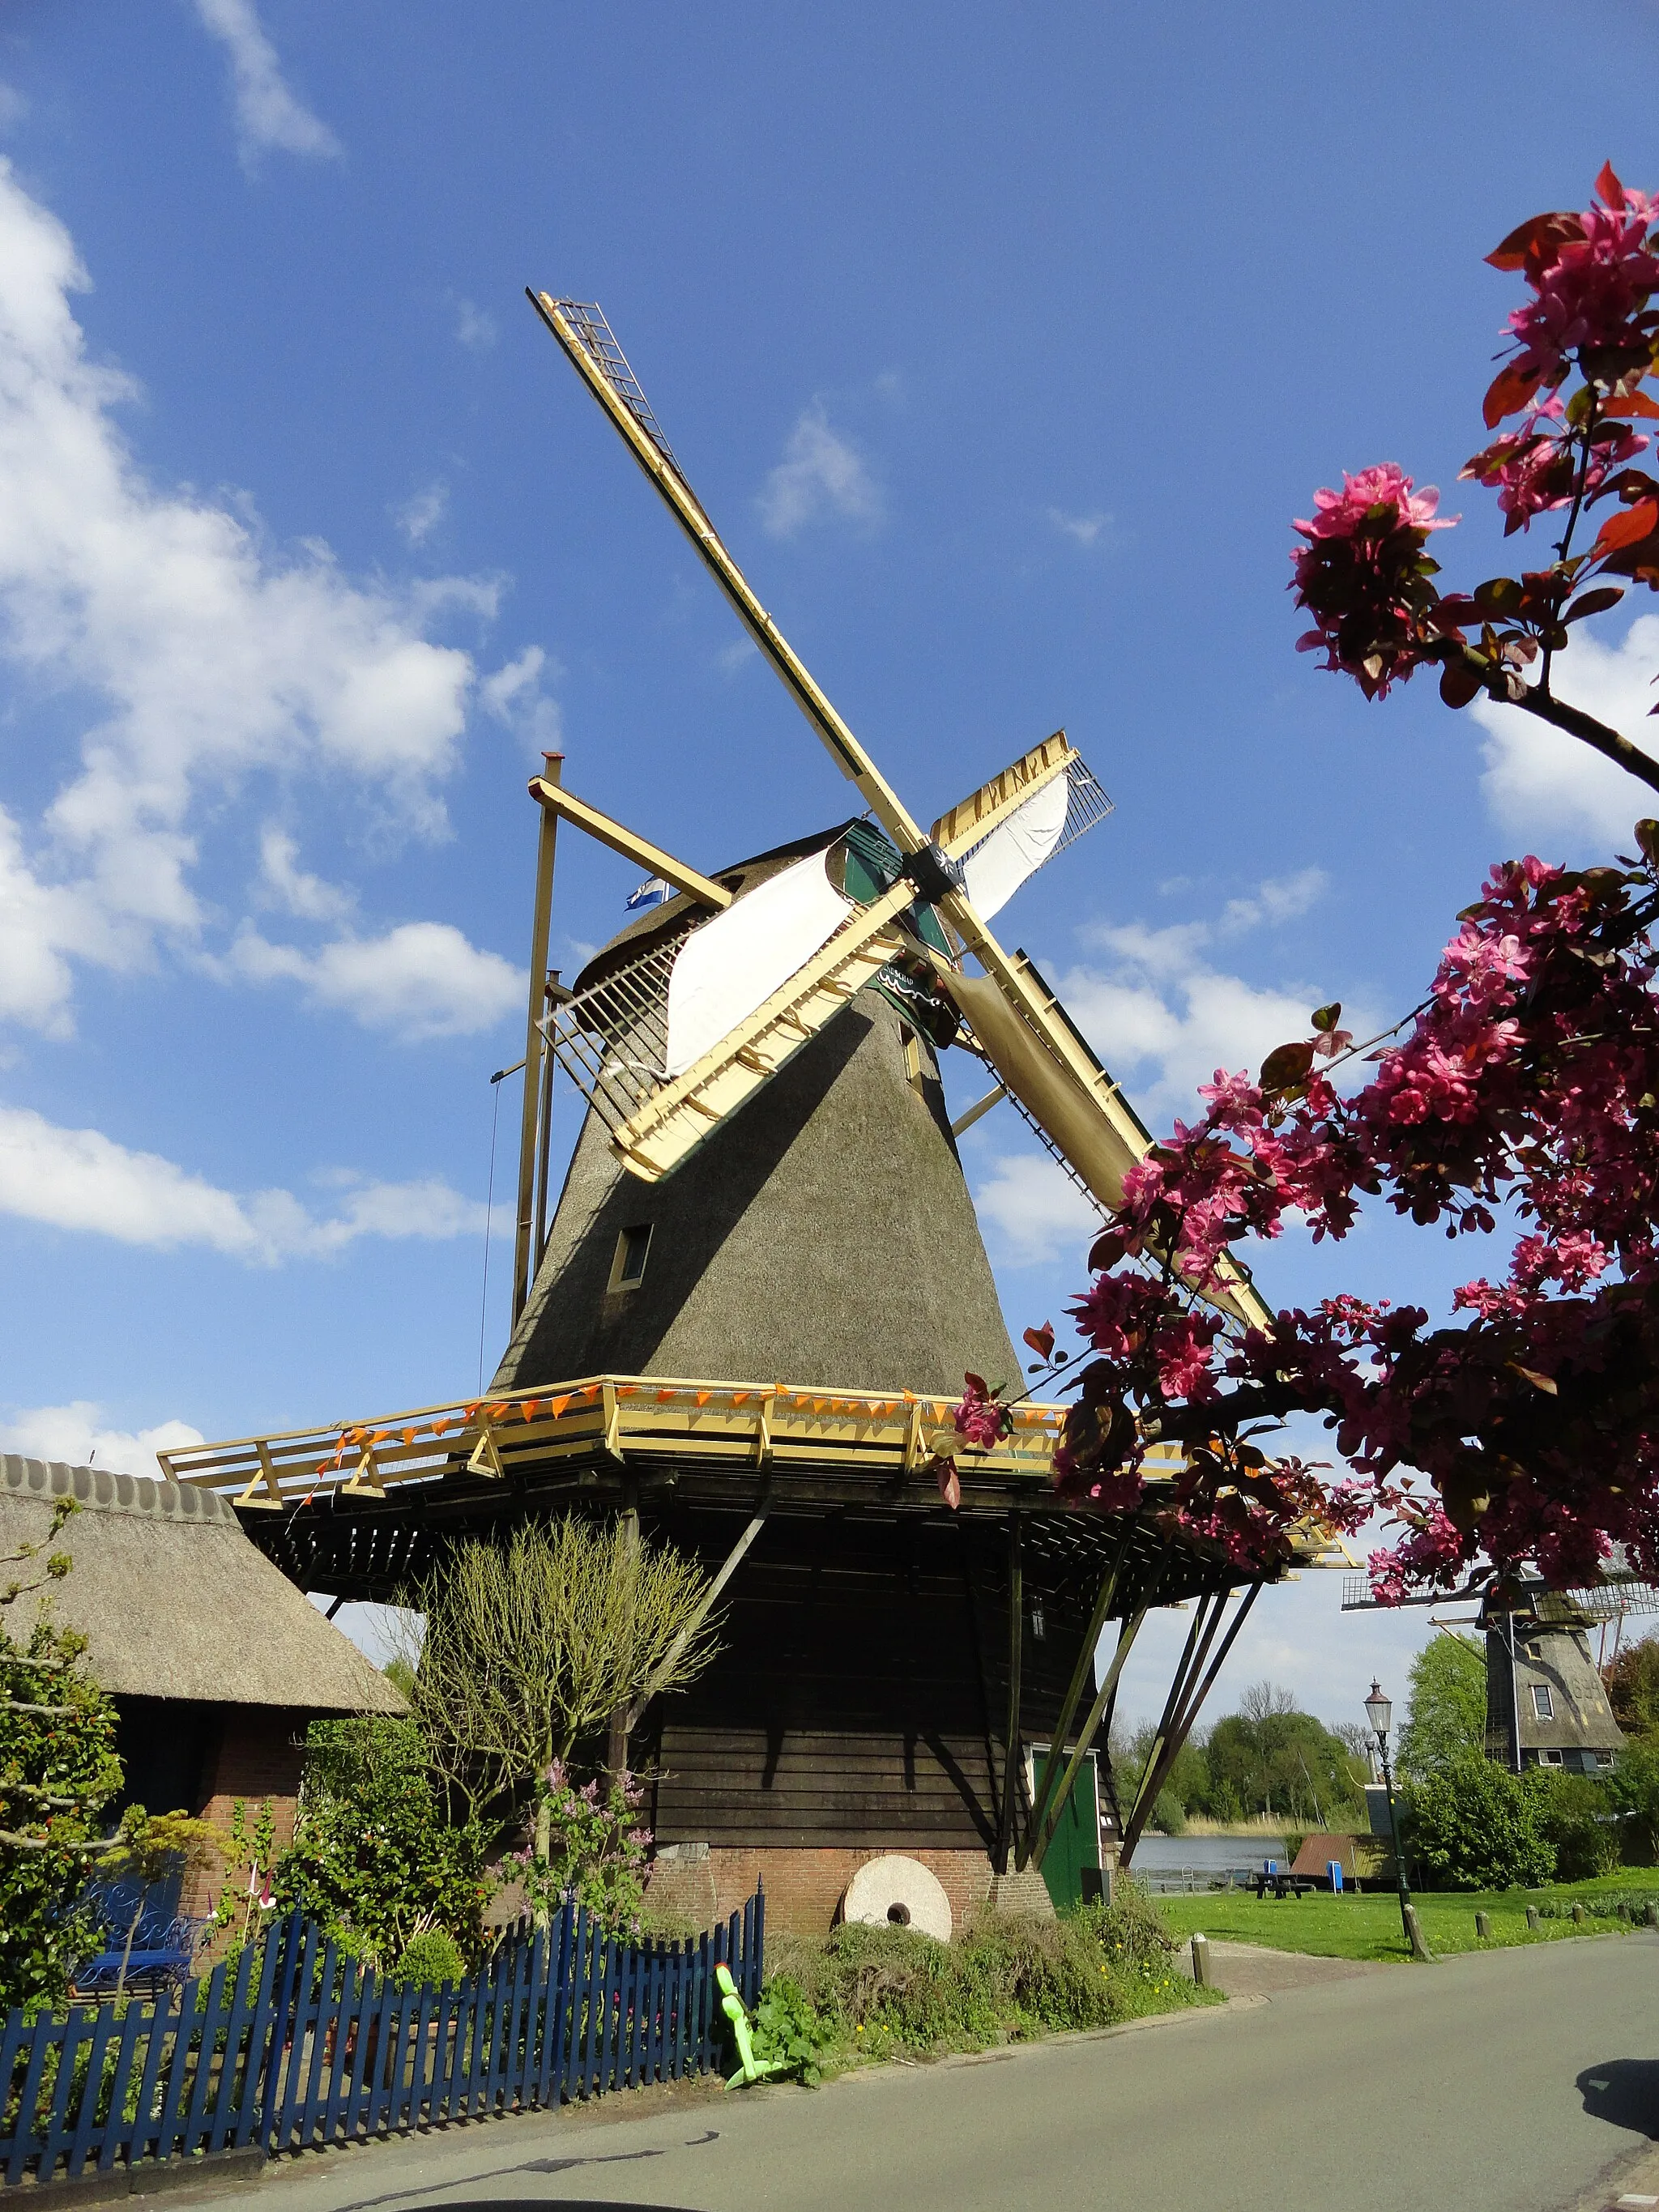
pixel 174 1600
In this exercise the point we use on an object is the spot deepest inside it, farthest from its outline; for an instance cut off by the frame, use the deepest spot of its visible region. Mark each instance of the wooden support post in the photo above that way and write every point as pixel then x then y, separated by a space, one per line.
pixel 621 1719
pixel 534 1046
pixel 543 1145
pixel 729 1566
pixel 1073 1697
pixel 1180 1719
pixel 1010 1754
pixel 1042 1836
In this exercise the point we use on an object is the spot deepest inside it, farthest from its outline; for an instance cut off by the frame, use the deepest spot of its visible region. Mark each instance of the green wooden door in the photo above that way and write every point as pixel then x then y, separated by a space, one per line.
pixel 1076 1842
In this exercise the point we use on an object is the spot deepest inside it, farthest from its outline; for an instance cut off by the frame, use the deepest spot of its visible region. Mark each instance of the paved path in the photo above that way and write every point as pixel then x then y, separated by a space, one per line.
pixel 1525 2080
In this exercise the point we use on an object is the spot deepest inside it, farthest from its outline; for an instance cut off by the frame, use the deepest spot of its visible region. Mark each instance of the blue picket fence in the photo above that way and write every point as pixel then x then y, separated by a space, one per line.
pixel 297 2047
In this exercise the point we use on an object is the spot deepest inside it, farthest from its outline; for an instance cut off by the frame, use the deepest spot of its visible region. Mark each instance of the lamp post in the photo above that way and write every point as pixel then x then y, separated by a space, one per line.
pixel 1379 1711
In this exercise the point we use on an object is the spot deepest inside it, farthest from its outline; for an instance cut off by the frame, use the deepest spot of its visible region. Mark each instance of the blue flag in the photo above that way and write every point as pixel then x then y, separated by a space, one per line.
pixel 652 892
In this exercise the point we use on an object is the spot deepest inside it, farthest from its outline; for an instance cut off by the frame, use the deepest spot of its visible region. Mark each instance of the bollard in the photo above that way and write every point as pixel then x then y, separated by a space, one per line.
pixel 1414 1929
pixel 1201 1961
pixel 1483 1926
pixel 1532 1917
pixel 1579 1915
pixel 1653 1912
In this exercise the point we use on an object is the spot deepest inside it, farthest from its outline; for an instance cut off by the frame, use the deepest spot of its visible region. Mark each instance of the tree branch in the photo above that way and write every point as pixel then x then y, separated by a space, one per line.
pixel 1534 699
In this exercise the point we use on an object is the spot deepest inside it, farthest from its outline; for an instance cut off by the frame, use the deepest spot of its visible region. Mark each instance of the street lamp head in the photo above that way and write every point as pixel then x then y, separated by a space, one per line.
pixel 1379 1711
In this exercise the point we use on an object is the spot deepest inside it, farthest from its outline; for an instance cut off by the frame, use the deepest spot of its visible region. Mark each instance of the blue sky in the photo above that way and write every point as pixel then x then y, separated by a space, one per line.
pixel 1001 346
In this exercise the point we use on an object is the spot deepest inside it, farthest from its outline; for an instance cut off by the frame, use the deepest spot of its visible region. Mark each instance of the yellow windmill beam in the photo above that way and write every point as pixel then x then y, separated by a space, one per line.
pixel 631 846
pixel 963 827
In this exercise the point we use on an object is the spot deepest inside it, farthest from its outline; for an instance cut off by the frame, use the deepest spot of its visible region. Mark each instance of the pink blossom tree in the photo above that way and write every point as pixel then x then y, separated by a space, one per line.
pixel 1524 1427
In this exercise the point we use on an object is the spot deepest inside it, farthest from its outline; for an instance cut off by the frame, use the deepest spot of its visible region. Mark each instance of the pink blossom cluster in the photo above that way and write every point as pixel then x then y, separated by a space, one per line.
pixel 1527 1081
pixel 1363 576
pixel 1591 276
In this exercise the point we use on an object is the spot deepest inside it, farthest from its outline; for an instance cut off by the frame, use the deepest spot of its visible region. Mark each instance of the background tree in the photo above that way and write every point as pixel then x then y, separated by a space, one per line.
pixel 58 1769
pixel 1473 1825
pixel 1446 1714
pixel 1282 1762
pixel 531 1647
pixel 1632 1677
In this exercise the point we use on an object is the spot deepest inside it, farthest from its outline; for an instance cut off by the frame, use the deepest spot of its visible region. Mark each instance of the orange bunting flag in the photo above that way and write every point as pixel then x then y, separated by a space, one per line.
pixel 704 1396
pixel 530 1408
pixel 663 1397
pixel 438 1427
pixel 469 1412
pixel 556 1405
pixel 409 1436
pixel 741 1397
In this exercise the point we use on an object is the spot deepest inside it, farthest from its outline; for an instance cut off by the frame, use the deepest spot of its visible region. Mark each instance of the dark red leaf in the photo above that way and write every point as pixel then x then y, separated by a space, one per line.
pixel 1534 238
pixel 1647 836
pixel 1458 684
pixel 1633 402
pixel 977 1383
pixel 1041 1340
pixel 1326 1017
pixel 1595 603
pixel 1629 528
pixel 1608 190
pixel 1508 393
pixel 949 1485
pixel 1286 1066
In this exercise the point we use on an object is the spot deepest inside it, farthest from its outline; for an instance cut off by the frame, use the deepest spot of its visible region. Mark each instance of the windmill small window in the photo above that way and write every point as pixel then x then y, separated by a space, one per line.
pixel 1543 1704
pixel 628 1268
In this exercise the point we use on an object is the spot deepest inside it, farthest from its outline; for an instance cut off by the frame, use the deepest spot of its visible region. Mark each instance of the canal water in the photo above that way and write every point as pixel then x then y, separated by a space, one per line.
pixel 1194 1862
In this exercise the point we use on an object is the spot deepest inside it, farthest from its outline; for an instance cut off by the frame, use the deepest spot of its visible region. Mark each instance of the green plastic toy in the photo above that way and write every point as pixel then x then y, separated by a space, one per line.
pixel 750 2068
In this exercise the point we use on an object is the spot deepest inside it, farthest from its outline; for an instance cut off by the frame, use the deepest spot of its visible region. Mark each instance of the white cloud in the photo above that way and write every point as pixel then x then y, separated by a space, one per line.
pixel 1280 898
pixel 419 516
pixel 513 694
pixel 81 1180
pixel 731 658
pixel 422 980
pixel 1164 1018
pixel 822 475
pixel 1035 1212
pixel 476 327
pixel 291 888
pixel 1542 784
pixel 13 106
pixel 77 1435
pixel 205 655
pixel 267 115
pixel 1085 529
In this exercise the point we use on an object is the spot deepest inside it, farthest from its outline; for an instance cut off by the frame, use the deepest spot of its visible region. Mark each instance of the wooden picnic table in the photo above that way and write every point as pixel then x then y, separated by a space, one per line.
pixel 1284 1885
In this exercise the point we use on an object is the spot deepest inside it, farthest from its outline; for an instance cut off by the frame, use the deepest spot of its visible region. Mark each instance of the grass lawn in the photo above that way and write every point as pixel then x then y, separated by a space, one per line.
pixel 1368 1926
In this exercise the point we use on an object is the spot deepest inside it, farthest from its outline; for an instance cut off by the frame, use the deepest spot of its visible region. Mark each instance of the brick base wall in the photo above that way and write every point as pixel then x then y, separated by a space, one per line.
pixel 260 1755
pixel 805 1886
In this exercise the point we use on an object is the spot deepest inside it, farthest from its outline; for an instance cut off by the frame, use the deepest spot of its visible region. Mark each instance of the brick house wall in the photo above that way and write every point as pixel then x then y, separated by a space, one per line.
pixel 258 1756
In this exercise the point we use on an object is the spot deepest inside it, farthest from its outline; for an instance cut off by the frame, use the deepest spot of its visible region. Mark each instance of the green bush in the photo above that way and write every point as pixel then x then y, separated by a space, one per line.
pixel 1471 1824
pixel 372 1860
pixel 791 2033
pixel 430 1960
pixel 1168 1813
pixel 1574 1814
pixel 1005 1977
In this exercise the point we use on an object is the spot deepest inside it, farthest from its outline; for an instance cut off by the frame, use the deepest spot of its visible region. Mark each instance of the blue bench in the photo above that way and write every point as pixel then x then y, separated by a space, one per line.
pixel 163 1951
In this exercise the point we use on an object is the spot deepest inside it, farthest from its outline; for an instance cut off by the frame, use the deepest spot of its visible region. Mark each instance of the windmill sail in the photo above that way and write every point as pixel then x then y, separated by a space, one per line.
pixel 735 963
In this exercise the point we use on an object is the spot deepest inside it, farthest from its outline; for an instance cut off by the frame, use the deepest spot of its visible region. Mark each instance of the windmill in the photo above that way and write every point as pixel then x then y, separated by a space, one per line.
pixel 745 1320
pixel 716 1004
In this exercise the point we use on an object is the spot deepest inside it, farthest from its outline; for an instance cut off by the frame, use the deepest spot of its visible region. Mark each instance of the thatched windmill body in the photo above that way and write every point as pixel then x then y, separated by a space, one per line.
pixel 760 1286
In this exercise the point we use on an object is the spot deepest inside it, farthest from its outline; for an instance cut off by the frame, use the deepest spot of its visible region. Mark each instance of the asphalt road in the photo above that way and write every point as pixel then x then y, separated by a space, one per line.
pixel 1525 2079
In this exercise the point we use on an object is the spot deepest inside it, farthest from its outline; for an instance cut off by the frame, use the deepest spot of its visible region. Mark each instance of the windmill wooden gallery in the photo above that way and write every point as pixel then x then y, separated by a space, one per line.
pixel 750 1313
